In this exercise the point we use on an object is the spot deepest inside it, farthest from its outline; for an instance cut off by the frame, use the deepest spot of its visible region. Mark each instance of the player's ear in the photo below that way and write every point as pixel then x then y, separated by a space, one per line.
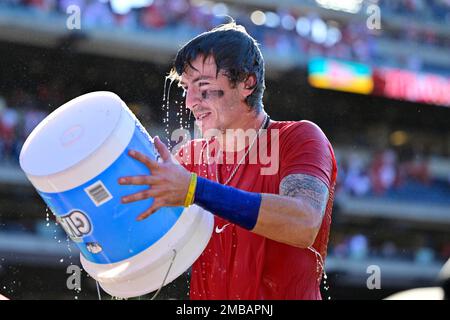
pixel 248 85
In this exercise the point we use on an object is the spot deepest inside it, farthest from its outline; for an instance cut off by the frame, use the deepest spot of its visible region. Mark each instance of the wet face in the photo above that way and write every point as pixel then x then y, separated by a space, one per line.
pixel 214 102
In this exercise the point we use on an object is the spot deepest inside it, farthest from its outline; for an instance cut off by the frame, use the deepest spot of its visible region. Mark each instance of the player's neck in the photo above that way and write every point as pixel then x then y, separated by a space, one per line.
pixel 243 134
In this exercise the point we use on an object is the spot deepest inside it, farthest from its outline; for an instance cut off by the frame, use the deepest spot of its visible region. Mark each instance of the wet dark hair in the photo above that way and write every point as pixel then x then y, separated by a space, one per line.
pixel 236 54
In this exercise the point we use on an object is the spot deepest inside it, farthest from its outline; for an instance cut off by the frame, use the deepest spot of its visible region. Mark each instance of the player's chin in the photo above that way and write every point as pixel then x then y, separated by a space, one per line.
pixel 208 127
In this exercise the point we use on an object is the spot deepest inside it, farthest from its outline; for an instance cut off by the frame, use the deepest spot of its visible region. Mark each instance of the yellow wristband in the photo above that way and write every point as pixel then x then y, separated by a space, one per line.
pixel 191 191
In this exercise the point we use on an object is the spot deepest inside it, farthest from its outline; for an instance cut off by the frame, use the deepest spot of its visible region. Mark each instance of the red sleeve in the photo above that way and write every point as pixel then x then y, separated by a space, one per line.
pixel 305 149
pixel 184 157
pixel 189 154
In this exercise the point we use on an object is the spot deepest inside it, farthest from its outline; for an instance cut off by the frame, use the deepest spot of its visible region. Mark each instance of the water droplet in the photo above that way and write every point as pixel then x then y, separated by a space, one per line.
pixel 47 217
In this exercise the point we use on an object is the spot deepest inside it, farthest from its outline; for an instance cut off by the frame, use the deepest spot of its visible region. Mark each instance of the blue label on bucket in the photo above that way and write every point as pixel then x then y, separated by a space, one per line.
pixel 104 229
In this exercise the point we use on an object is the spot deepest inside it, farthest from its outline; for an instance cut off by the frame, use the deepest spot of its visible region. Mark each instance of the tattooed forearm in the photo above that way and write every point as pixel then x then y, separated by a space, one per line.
pixel 306 187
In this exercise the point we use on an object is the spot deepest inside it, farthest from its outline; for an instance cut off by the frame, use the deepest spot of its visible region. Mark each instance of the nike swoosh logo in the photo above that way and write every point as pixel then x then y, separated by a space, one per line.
pixel 220 230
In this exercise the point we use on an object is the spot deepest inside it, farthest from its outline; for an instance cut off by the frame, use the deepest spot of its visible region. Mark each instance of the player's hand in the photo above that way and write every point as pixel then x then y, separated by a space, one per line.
pixel 168 183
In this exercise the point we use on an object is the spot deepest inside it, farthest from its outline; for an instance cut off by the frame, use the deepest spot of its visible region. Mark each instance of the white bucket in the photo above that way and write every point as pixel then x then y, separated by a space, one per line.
pixel 74 159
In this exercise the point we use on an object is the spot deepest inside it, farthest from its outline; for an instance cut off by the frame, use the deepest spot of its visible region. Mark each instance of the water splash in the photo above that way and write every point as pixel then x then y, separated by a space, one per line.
pixel 47 217
pixel 321 270
pixel 68 242
pixel 325 286
pixel 166 107
pixel 183 114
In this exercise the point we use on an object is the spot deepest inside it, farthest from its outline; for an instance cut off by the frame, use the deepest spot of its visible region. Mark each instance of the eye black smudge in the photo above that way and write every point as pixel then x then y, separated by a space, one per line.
pixel 208 94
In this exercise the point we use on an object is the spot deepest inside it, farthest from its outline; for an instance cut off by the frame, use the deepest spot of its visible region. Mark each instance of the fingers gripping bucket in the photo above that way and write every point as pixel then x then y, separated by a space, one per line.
pixel 74 158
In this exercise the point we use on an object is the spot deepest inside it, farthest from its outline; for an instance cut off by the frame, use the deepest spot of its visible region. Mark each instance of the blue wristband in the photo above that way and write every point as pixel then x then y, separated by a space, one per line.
pixel 237 206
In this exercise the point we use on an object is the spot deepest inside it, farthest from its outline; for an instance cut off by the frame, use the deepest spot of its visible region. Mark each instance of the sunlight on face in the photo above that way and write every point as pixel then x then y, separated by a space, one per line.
pixel 210 96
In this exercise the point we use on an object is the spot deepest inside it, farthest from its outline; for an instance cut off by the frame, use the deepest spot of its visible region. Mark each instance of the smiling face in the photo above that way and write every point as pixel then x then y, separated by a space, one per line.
pixel 215 103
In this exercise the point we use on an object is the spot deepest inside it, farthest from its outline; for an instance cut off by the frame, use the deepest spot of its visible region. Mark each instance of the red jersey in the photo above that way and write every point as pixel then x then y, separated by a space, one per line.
pixel 239 264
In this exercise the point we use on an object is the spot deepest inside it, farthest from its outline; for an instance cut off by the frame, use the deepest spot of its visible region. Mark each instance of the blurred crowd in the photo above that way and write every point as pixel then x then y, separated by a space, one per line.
pixel 381 174
pixel 18 118
pixel 21 111
pixel 287 34
pixel 420 249
pixel 433 10
pixel 388 173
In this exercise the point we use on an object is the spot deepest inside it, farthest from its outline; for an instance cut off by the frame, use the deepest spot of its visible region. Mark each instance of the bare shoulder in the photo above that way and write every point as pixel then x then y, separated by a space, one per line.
pixel 306 187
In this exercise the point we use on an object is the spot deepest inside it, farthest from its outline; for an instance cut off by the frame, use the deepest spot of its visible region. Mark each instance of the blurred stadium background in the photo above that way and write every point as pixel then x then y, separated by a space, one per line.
pixel 380 90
